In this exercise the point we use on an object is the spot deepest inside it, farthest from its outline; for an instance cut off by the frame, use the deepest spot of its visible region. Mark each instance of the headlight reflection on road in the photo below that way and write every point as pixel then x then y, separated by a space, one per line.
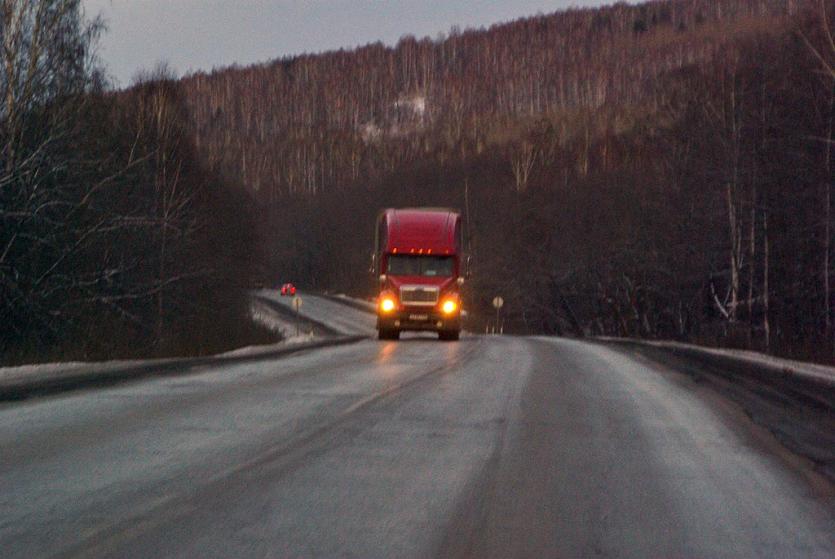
pixel 386 350
pixel 385 365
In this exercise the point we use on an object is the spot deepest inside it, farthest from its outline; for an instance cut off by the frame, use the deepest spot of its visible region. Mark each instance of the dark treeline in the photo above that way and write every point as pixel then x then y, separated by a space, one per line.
pixel 661 170
pixel 113 239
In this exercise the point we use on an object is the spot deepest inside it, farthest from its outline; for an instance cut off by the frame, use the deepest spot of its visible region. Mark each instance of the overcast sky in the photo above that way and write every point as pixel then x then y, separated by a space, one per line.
pixel 201 34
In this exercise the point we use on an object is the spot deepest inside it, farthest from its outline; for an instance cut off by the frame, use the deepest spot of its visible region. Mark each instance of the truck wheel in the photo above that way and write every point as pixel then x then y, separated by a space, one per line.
pixel 388 334
pixel 448 335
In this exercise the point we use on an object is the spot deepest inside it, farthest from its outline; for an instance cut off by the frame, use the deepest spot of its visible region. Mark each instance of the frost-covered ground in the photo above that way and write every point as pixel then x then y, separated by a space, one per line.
pixel 813 371
pixel 58 370
pixel 268 318
pixel 339 314
pixel 259 312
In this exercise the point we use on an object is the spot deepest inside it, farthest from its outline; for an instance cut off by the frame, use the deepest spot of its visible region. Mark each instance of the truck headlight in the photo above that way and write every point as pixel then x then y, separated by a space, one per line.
pixel 387 304
pixel 449 306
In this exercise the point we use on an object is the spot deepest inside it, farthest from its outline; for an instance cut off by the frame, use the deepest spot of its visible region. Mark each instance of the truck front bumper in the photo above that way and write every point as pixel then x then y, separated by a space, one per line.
pixel 418 320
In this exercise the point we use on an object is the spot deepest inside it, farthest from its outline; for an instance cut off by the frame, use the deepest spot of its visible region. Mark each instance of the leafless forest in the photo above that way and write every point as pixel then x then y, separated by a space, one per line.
pixel 661 170
pixel 114 240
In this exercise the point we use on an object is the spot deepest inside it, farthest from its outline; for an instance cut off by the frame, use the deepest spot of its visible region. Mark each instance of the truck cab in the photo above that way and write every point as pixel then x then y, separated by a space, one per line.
pixel 418 263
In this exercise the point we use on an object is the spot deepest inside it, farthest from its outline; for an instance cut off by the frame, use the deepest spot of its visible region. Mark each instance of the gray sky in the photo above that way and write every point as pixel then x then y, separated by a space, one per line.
pixel 201 34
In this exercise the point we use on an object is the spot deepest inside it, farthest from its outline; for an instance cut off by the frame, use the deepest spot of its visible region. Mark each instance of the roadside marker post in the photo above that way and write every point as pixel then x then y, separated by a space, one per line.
pixel 297 304
pixel 498 303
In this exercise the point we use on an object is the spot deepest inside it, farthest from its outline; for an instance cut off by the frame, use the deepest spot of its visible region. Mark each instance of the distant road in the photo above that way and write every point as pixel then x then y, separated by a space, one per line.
pixel 489 447
pixel 342 318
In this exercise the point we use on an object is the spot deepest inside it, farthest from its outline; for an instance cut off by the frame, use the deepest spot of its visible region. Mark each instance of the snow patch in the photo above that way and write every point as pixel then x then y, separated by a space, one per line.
pixel 416 104
pixel 56 370
pixel 370 132
pixel 265 316
pixel 260 313
pixel 812 370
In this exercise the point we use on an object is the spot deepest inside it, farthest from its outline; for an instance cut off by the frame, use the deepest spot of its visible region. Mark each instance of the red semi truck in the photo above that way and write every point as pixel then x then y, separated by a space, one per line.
pixel 418 261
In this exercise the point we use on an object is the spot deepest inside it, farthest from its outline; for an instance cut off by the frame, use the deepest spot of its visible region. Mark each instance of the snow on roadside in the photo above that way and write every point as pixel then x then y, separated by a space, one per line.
pixel 260 313
pixel 275 322
pixel 811 370
pixel 58 370
pixel 268 318
pixel 271 320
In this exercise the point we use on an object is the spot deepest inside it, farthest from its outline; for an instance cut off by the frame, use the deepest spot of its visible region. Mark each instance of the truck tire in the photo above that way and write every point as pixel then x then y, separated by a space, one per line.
pixel 385 334
pixel 449 335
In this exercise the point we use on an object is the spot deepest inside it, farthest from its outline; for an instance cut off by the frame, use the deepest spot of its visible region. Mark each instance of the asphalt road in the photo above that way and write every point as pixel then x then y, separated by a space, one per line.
pixel 489 447
pixel 339 317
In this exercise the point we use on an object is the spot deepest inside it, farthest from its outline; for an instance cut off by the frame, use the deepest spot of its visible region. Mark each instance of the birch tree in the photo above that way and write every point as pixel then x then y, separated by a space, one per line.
pixel 46 70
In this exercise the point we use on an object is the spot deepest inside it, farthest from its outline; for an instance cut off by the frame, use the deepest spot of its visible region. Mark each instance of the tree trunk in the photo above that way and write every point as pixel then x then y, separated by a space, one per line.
pixel 733 234
pixel 827 240
pixel 766 325
pixel 752 251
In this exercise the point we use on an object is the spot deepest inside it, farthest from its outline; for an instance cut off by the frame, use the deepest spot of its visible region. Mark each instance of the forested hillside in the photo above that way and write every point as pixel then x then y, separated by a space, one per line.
pixel 660 170
pixel 310 124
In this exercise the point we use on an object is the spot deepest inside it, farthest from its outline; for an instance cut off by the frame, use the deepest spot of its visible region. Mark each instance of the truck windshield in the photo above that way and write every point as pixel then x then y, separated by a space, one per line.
pixel 411 265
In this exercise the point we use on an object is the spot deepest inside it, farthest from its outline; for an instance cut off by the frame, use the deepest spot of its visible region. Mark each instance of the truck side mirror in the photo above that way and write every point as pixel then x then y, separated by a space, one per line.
pixel 373 268
pixel 467 266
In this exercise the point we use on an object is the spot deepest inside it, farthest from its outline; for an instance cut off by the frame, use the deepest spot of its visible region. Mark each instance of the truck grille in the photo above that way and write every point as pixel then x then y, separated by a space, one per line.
pixel 418 295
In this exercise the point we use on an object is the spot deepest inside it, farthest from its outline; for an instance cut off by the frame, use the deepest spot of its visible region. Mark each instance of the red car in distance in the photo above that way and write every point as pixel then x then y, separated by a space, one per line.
pixel 288 289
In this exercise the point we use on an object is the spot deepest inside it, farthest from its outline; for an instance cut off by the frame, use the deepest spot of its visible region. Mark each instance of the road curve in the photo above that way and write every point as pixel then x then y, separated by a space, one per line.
pixel 339 317
pixel 491 447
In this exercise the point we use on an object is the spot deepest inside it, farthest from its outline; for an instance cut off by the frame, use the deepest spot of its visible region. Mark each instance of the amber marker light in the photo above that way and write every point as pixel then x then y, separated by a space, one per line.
pixel 449 306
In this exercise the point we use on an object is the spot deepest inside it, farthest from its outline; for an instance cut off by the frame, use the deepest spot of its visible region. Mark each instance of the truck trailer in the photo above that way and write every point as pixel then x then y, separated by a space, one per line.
pixel 419 264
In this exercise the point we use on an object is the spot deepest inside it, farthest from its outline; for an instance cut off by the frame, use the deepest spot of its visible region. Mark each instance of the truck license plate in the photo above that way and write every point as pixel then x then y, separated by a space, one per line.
pixel 418 317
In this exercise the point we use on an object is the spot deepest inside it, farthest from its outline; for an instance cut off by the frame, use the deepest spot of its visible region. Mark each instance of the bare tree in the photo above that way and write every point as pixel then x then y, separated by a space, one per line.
pixel 46 70
pixel 522 159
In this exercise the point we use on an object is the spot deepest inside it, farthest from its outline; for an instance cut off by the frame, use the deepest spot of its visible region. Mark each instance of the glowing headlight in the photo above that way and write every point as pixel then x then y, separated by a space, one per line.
pixel 449 306
pixel 387 304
